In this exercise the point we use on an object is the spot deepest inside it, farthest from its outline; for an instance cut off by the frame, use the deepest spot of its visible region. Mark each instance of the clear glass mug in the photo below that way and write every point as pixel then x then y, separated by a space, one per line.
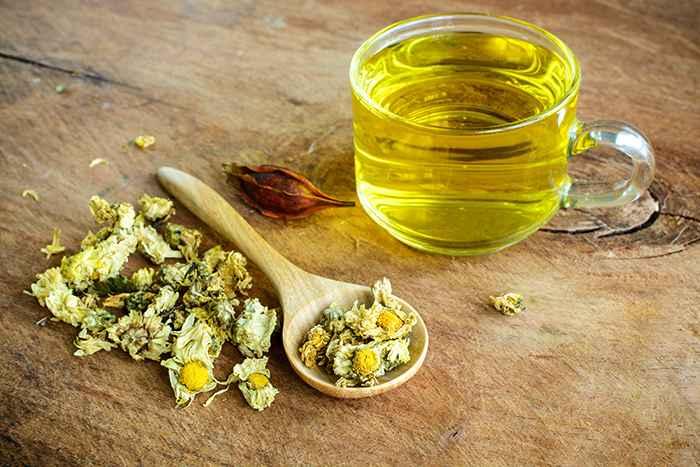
pixel 463 126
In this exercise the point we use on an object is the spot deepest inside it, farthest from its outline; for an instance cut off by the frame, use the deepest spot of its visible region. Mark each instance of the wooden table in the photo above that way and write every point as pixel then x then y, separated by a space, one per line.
pixel 602 369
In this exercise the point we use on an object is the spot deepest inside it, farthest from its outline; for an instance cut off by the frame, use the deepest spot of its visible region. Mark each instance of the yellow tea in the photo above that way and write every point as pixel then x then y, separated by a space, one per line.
pixel 441 161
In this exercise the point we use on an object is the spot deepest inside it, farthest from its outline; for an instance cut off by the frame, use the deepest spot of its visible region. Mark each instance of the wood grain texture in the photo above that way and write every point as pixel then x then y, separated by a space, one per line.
pixel 602 369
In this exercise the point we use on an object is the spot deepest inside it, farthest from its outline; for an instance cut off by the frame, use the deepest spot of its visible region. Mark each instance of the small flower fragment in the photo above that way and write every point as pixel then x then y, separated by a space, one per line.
pixel 191 366
pixel 254 382
pixel 98 161
pixel 509 304
pixel 279 192
pixel 254 328
pixel 144 141
pixel 30 194
pixel 55 246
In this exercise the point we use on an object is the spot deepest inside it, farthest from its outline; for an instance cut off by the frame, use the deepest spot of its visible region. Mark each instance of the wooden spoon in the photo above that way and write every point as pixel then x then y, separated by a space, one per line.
pixel 303 295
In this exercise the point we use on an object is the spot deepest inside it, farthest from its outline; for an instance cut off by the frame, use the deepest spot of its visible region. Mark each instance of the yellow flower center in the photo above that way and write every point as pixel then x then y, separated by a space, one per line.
pixel 257 380
pixel 389 321
pixel 194 375
pixel 365 362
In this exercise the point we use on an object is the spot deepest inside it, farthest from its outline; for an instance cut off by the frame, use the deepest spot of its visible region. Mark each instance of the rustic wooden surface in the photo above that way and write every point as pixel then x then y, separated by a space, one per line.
pixel 602 369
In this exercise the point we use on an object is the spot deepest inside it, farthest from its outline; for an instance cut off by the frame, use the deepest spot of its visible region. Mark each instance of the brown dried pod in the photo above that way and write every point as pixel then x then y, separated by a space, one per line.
pixel 280 193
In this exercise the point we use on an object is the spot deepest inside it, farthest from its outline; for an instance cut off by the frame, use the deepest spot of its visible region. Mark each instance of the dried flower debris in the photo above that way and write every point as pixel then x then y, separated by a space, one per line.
pixel 509 304
pixel 55 246
pixel 30 194
pixel 144 141
pixel 363 343
pixel 98 161
pixel 179 312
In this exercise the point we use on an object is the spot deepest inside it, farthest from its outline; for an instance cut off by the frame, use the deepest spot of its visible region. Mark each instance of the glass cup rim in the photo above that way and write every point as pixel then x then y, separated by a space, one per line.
pixel 372 105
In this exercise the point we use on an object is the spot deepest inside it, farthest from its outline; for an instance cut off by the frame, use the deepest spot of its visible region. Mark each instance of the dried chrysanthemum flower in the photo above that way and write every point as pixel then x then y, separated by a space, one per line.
pixel 144 141
pixel 93 333
pixel 94 238
pixel 395 353
pixel 99 262
pixel 358 365
pixel 254 382
pixel 152 244
pixel 118 216
pixel 232 270
pixel 220 315
pixel 382 320
pixel 156 209
pixel 176 274
pixel 509 304
pixel 102 257
pixel 163 301
pixel 184 239
pixel 142 278
pixel 254 328
pixel 51 291
pixel 314 346
pixel 142 335
pixel 191 367
pixel 55 246
pixel 214 256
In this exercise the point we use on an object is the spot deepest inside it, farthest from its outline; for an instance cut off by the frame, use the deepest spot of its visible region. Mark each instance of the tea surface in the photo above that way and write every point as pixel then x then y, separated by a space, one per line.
pixel 425 169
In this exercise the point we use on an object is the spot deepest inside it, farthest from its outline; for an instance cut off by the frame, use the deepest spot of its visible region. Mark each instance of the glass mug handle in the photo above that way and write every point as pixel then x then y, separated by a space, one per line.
pixel 625 139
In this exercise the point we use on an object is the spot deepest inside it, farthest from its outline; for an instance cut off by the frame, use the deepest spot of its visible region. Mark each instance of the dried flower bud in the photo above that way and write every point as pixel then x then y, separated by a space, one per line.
pixel 280 193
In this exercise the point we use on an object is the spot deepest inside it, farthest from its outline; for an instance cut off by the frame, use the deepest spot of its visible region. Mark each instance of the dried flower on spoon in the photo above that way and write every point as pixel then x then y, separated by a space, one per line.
pixel 359 345
pixel 278 192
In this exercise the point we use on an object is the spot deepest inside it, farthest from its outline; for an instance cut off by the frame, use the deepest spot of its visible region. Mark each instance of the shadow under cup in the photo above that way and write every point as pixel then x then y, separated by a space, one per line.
pixel 463 125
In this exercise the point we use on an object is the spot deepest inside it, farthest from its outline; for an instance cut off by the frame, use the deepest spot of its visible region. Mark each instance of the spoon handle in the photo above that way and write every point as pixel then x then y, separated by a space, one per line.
pixel 218 214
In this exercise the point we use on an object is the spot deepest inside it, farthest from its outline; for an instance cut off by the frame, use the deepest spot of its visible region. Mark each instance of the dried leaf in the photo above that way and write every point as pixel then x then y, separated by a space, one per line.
pixel 280 193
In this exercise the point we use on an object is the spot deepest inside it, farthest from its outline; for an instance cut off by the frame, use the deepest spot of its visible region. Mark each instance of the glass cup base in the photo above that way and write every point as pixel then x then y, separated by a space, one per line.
pixel 449 248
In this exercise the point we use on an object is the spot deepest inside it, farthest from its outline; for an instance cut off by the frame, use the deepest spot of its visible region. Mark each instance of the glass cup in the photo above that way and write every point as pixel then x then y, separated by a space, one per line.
pixel 463 126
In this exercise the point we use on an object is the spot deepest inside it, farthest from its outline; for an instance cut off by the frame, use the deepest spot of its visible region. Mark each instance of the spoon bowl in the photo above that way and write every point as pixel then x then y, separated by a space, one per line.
pixel 303 295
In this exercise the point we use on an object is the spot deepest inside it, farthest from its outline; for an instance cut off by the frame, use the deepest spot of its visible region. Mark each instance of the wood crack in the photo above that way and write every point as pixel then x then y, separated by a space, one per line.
pixel 611 232
pixel 653 217
pixel 87 75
